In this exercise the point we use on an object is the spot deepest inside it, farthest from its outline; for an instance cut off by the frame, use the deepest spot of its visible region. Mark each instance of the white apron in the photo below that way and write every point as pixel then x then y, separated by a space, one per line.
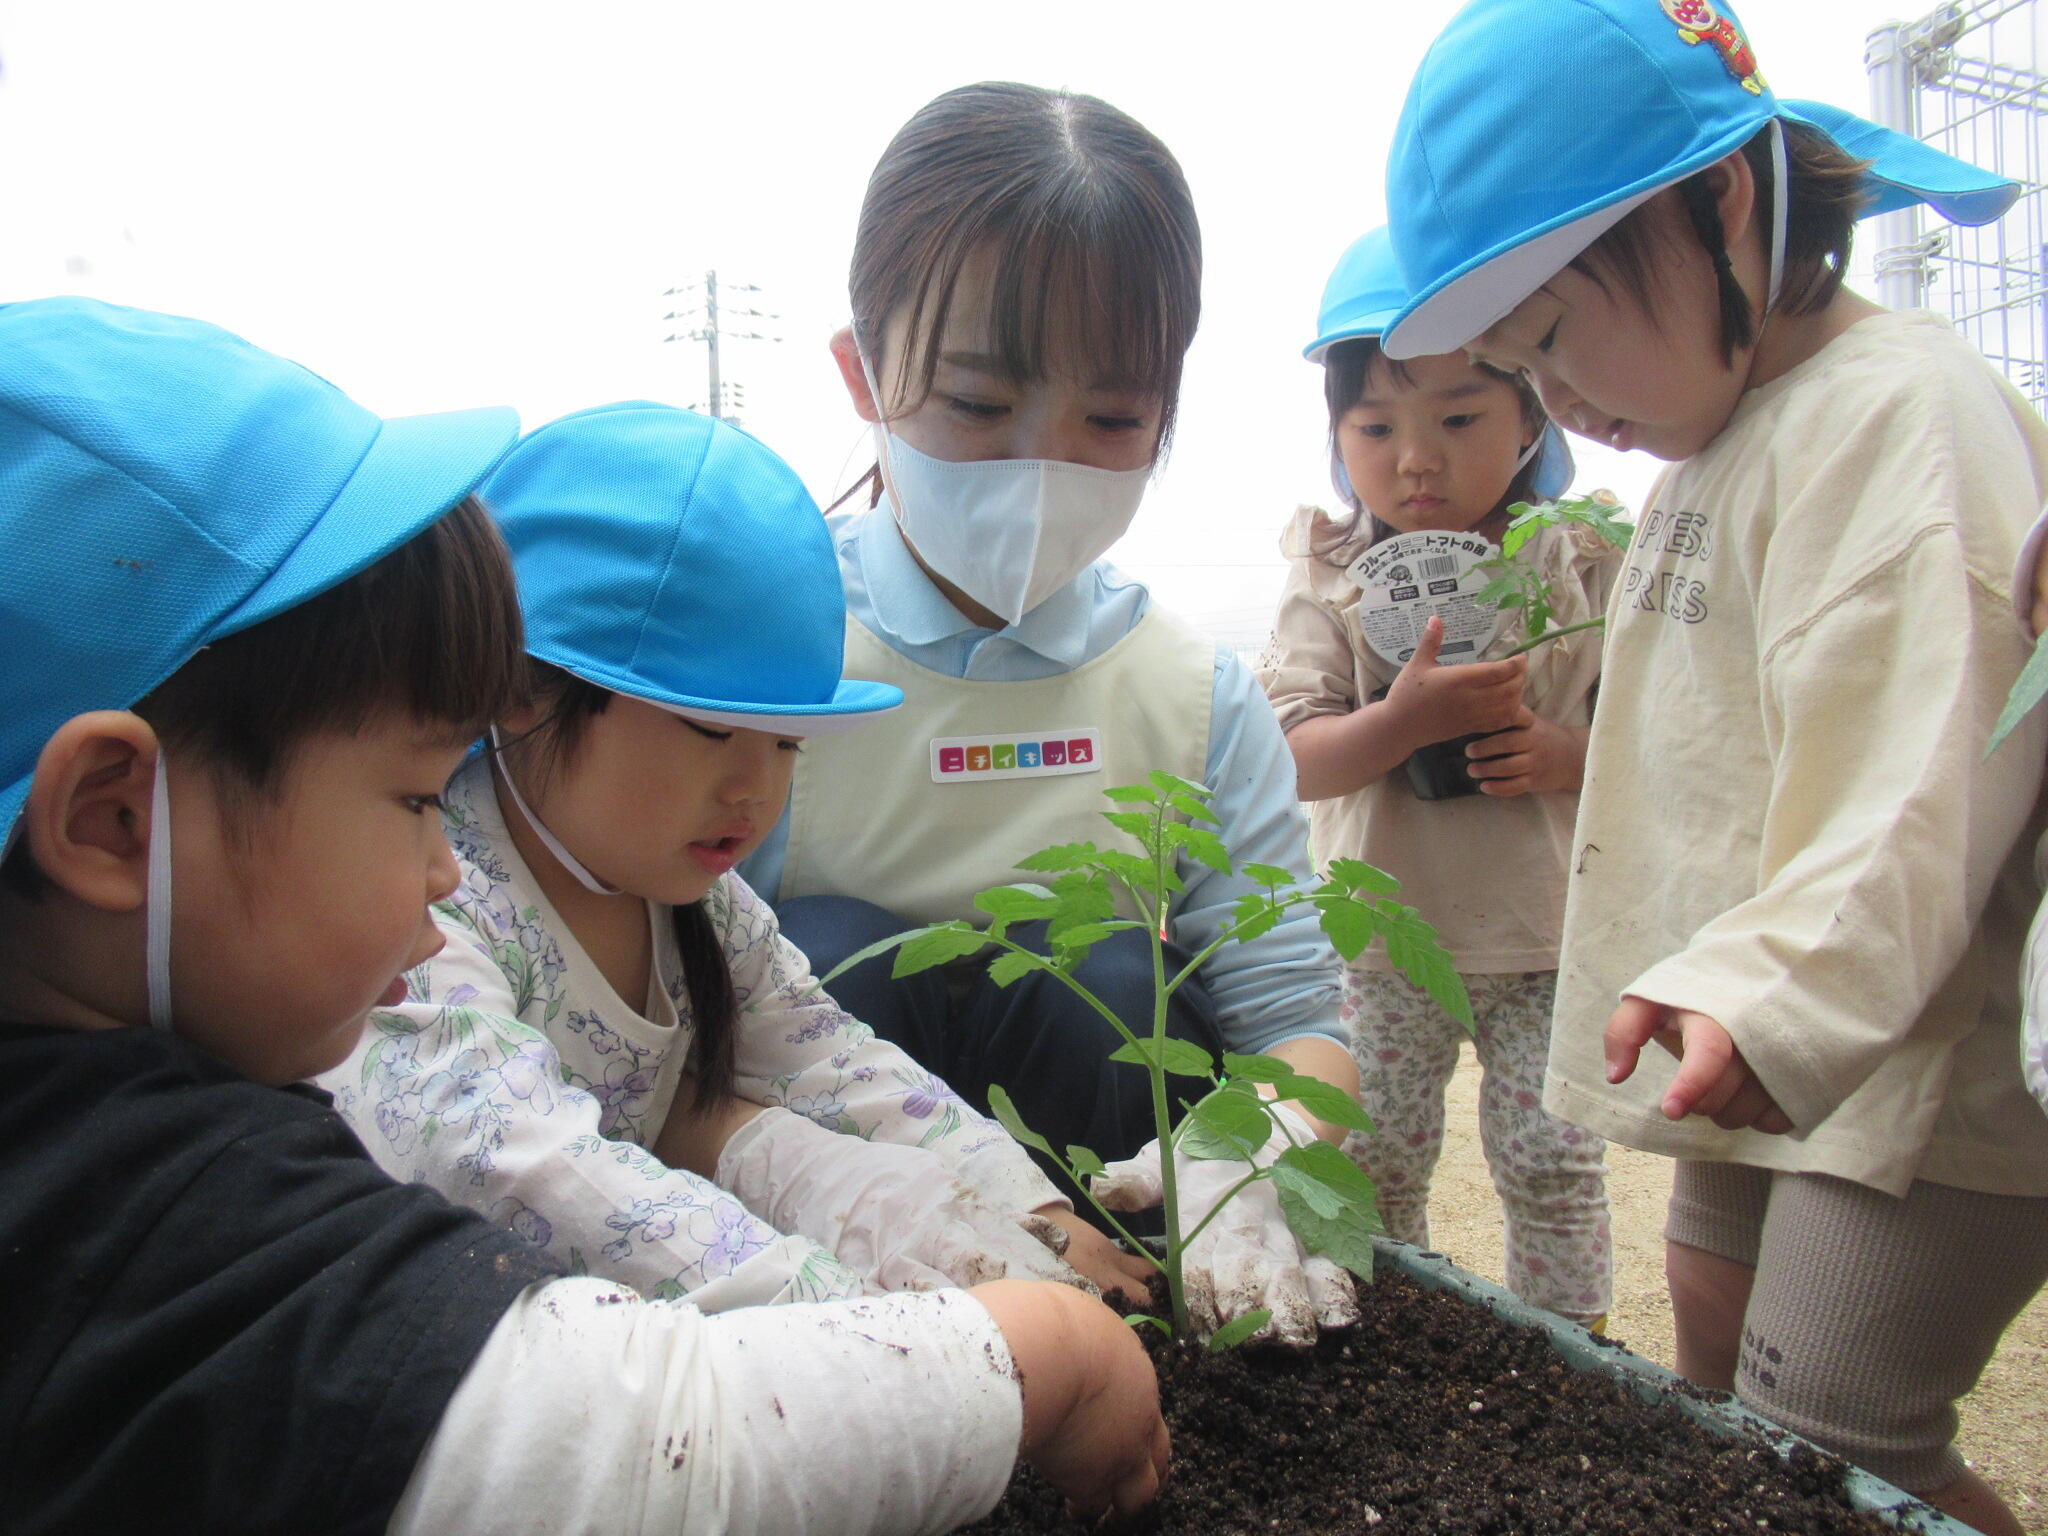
pixel 928 805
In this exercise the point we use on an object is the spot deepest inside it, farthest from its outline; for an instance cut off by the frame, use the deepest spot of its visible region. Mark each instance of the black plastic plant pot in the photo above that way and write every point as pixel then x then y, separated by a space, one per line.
pixel 1438 771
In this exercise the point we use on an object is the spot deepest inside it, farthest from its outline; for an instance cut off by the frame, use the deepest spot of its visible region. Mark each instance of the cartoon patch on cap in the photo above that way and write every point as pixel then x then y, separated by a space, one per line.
pixel 1699 22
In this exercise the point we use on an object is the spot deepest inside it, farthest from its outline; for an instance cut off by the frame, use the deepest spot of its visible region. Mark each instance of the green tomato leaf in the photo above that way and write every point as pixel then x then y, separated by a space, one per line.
pixel 2031 688
pixel 1132 794
pixel 1083 898
pixel 1086 1164
pixel 1201 845
pixel 1018 903
pixel 1135 872
pixel 1090 933
pixel 1257 1069
pixel 1349 922
pixel 1324 1100
pixel 1195 809
pixel 1330 1205
pixel 1060 856
pixel 1013 964
pixel 879 947
pixel 1134 824
pixel 937 946
pixel 1238 1329
pixel 1357 875
pixel 1169 784
pixel 1268 874
pixel 1183 1058
pixel 1229 1123
pixel 1414 950
pixel 1006 1115
pixel 1257 914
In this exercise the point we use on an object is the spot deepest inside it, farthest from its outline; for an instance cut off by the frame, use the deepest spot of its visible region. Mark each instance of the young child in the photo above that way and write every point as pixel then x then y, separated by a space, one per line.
pixel 237 604
pixel 1025 284
pixel 1444 443
pixel 1794 868
pixel 683 1141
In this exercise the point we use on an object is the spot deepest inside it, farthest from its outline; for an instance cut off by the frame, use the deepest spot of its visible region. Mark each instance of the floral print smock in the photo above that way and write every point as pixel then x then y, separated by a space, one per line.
pixel 518 1083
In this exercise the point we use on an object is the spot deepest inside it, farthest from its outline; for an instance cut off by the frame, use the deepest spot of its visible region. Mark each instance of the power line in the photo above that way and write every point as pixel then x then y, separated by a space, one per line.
pixel 721 398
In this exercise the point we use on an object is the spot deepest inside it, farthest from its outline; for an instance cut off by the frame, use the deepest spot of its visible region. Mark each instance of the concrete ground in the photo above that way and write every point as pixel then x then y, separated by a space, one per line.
pixel 2005 1421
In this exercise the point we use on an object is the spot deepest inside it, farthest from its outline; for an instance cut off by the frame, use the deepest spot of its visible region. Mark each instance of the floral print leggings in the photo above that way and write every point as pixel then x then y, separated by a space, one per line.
pixel 1550 1174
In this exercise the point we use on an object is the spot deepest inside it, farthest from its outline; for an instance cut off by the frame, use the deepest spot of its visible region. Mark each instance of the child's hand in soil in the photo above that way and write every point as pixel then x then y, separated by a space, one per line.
pixel 1430 702
pixel 1091 1401
pixel 1712 1080
pixel 1532 756
pixel 1091 1251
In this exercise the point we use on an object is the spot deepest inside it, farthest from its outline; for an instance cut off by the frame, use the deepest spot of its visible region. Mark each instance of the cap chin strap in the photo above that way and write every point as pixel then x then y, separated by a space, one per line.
pixel 563 856
pixel 1781 202
pixel 156 914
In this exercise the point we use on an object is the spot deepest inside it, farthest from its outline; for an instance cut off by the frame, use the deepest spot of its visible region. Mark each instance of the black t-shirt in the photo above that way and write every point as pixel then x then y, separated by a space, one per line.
pixel 216 1314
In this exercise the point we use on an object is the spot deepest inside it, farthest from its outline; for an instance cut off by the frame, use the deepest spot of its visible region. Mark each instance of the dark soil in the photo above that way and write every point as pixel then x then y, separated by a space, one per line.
pixel 1433 1415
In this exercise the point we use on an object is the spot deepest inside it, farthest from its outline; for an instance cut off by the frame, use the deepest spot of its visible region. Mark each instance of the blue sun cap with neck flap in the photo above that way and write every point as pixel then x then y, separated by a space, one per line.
pixel 1534 126
pixel 673 558
pixel 164 484
pixel 1361 299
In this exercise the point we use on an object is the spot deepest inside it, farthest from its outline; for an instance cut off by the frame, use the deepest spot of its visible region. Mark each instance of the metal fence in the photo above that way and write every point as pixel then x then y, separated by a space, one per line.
pixel 1967 78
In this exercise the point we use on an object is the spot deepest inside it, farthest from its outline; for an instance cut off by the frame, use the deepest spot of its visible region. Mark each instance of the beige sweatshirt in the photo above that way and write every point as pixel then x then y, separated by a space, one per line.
pixel 1788 823
pixel 1488 873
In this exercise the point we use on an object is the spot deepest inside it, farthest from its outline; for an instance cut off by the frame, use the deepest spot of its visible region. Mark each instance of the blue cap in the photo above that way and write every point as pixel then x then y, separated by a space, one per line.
pixel 675 559
pixel 164 484
pixel 1501 172
pixel 1361 299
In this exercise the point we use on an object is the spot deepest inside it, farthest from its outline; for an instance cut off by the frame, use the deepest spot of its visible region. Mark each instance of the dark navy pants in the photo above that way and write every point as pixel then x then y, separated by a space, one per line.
pixel 1034 1038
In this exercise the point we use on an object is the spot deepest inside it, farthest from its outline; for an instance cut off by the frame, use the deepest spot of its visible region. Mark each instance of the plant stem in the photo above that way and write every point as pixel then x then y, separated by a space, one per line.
pixel 1169 1183
pixel 1555 634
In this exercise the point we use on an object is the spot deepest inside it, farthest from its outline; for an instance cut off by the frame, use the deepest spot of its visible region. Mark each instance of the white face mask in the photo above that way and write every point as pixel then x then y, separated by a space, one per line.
pixel 1007 532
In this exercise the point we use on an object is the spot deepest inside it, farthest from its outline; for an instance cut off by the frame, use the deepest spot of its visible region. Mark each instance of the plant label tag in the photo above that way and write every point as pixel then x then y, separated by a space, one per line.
pixel 1405 580
pixel 1015 755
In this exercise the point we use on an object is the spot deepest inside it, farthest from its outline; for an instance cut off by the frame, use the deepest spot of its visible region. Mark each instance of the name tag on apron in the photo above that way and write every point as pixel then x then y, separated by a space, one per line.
pixel 1015 755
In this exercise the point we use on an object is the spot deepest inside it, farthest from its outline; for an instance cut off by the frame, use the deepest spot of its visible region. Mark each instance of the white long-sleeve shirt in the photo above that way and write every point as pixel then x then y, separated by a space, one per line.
pixel 591 1410
pixel 517 1082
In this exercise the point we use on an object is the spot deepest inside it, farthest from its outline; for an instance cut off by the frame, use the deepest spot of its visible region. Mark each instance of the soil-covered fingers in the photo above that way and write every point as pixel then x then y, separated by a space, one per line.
pixel 1098 1258
pixel 1332 1293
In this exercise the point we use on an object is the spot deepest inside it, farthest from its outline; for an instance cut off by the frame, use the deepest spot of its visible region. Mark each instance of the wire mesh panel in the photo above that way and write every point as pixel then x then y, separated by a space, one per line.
pixel 1968 79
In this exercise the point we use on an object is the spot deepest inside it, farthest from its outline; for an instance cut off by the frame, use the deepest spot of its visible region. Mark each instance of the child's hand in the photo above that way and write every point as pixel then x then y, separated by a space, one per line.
pixel 1091 1402
pixel 1533 756
pixel 1712 1080
pixel 1436 703
pixel 1096 1256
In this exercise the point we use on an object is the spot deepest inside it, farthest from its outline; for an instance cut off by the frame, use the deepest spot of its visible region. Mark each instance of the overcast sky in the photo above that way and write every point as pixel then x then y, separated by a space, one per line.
pixel 441 203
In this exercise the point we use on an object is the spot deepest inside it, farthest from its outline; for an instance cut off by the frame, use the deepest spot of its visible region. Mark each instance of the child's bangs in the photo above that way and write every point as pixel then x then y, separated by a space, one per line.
pixel 432 630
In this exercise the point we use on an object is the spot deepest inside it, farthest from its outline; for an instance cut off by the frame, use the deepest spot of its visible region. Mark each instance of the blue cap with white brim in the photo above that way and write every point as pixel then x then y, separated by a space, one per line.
pixel 1504 168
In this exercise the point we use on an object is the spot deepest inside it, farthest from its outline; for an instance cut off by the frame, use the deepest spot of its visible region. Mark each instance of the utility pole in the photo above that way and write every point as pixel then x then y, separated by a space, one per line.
pixel 721 399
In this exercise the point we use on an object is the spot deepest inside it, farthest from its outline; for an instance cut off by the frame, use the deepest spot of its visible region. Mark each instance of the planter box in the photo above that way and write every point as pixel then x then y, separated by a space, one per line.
pixel 1653 1383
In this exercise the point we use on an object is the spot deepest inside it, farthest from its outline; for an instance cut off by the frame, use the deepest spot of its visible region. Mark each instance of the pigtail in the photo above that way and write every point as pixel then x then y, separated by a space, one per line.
pixel 1738 324
pixel 714 1003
